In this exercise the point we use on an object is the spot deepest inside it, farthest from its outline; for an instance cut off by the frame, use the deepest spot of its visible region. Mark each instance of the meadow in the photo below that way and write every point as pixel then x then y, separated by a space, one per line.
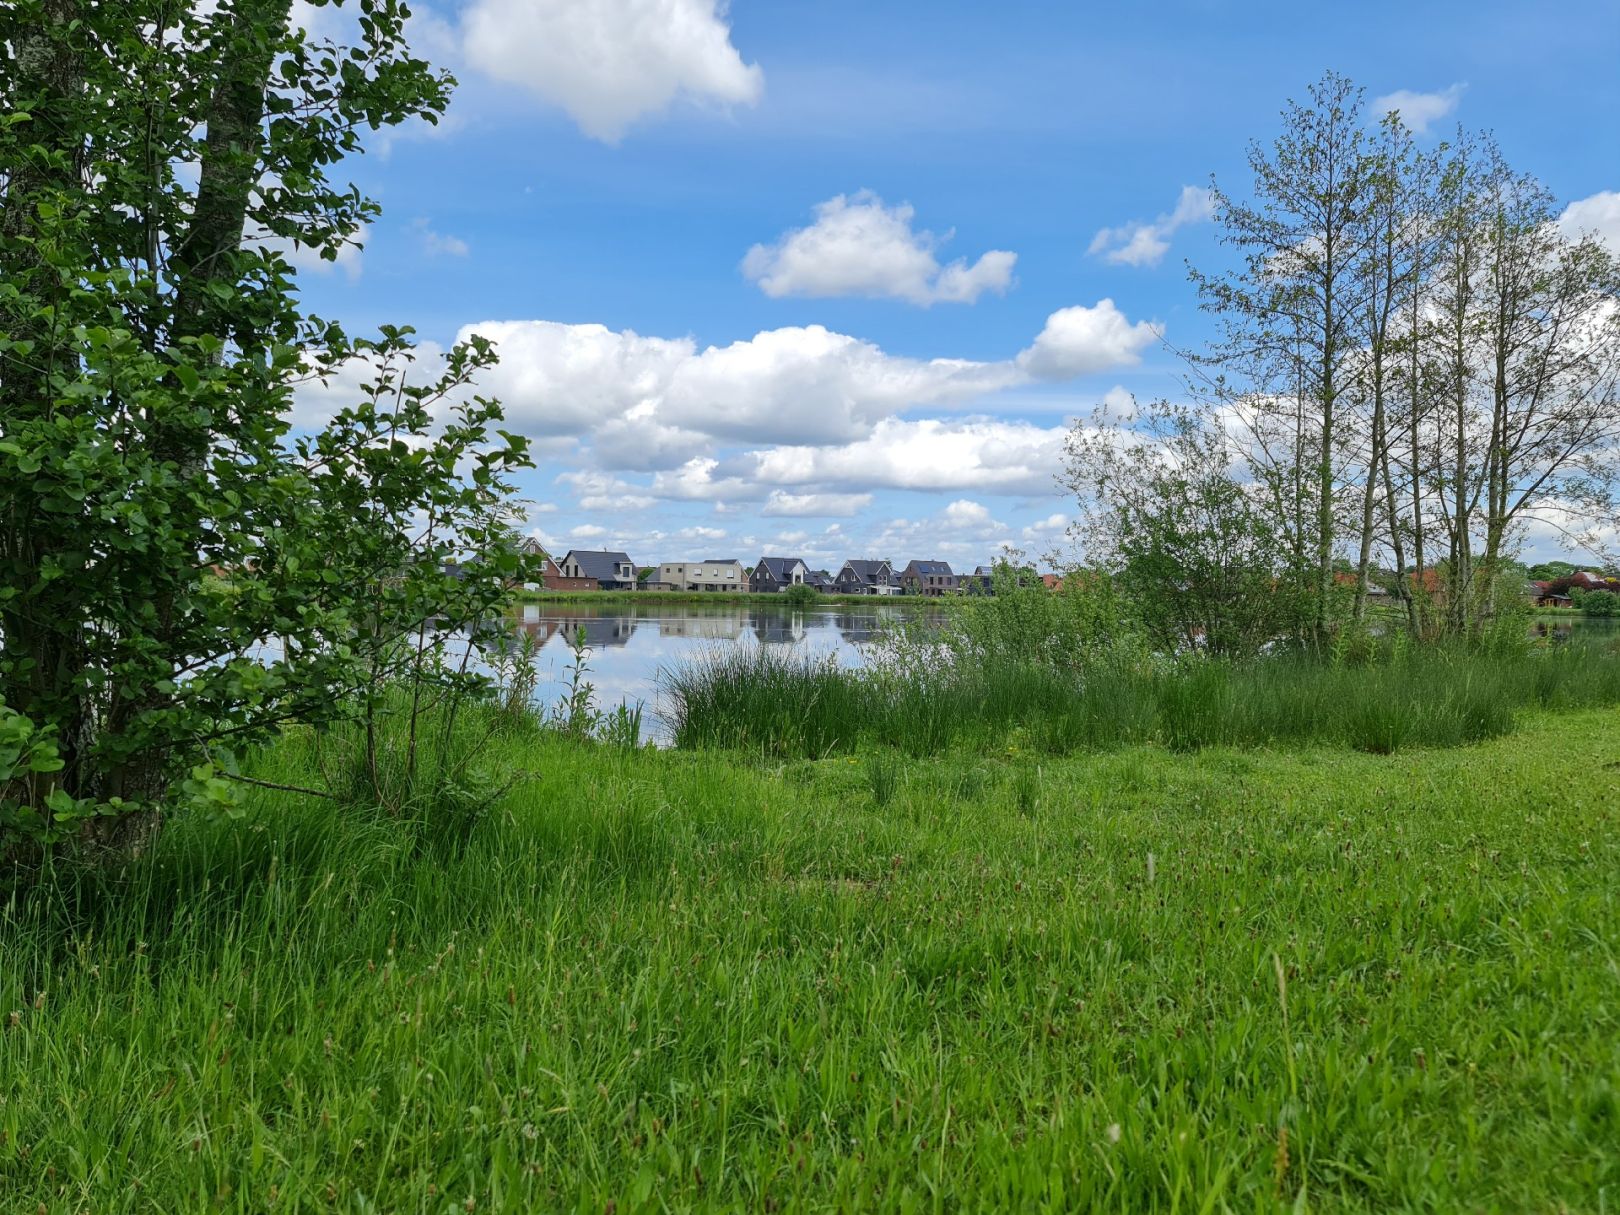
pixel 1136 979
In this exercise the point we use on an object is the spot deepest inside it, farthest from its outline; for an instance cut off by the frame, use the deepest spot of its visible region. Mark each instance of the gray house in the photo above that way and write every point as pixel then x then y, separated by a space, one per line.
pixel 928 578
pixel 710 574
pixel 612 571
pixel 867 578
pixel 774 574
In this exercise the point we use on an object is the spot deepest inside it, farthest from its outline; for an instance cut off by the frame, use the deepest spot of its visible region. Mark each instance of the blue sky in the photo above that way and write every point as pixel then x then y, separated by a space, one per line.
pixel 826 278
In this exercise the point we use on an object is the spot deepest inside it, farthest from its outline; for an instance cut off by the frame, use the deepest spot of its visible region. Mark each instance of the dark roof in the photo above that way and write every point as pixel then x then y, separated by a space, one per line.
pixel 718 561
pixel 866 571
pixel 930 567
pixel 602 566
pixel 777 567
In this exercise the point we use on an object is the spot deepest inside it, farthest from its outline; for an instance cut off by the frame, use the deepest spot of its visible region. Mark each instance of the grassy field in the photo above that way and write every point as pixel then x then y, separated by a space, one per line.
pixel 1224 980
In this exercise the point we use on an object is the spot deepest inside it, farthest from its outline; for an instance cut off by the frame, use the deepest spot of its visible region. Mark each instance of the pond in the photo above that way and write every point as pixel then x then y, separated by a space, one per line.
pixel 630 643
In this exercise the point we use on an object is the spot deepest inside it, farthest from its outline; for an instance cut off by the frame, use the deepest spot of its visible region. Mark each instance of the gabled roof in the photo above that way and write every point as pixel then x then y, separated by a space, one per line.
pixel 602 566
pixel 778 567
pixel 866 571
pixel 929 567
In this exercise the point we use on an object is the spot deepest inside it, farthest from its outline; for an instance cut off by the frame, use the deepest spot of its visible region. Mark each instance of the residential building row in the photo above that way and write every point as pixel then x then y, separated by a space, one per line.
pixel 607 570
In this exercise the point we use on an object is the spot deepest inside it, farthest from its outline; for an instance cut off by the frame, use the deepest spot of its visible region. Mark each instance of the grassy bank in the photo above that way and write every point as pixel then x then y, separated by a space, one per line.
pixel 788 705
pixel 1132 981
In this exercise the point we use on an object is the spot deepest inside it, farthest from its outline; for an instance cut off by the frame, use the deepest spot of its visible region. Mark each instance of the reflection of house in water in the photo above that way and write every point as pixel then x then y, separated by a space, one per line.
pixel 597 631
pixel 779 628
pixel 722 626
pixel 857 627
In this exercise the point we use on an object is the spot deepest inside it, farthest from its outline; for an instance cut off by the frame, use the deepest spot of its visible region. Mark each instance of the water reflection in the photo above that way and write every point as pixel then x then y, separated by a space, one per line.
pixel 631 643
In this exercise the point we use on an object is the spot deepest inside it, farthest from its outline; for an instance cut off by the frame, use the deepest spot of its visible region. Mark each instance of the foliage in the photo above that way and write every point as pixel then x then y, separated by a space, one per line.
pixel 801 596
pixel 162 163
pixel 1599 603
pixel 1083 622
pixel 1201 560
pixel 774 994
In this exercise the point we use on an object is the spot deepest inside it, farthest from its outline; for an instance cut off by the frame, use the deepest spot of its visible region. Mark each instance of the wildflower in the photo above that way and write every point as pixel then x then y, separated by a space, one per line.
pixel 1114 1132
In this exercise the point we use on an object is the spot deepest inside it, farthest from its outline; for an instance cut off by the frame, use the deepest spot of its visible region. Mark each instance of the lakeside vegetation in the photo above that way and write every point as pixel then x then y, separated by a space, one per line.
pixel 787 705
pixel 1265 981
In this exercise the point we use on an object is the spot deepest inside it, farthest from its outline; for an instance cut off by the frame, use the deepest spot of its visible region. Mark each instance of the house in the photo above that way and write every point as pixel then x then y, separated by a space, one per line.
pixel 553 579
pixel 1543 595
pixel 867 578
pixel 928 578
pixel 711 574
pixel 611 571
pixel 821 580
pixel 551 575
pixel 776 574
pixel 980 582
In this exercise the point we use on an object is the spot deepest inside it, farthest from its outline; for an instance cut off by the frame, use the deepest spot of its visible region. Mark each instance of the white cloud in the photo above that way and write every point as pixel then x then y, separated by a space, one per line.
pixel 1598 215
pixel 858 246
pixel 1420 111
pixel 966 513
pixel 781 504
pixel 595 491
pixel 930 454
pixel 699 532
pixel 587 531
pixel 1144 243
pixel 437 243
pixel 557 379
pixel 654 402
pixel 609 62
pixel 1080 340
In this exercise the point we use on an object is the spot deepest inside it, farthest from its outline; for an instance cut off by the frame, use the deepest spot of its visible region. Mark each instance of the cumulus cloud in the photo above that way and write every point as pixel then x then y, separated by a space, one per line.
pixel 655 403
pixel 597 491
pixel 609 62
pixel 791 385
pixel 1080 340
pixel 1144 243
pixel 858 246
pixel 930 454
pixel 1597 215
pixel 1420 111
pixel 782 504
pixel 966 513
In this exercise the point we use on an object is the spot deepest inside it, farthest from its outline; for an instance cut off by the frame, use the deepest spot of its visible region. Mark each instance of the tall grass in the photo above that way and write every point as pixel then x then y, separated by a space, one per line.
pixel 670 981
pixel 787 705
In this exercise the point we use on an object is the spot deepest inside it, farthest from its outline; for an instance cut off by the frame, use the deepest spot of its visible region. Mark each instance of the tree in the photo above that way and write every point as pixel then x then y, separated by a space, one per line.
pixel 1289 311
pixel 158 162
pixel 1193 545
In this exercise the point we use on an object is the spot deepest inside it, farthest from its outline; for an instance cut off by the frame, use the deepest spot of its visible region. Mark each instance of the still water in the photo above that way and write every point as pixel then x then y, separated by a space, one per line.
pixel 630 643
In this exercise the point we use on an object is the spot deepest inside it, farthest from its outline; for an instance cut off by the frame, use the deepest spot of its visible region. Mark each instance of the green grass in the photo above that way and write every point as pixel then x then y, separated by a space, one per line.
pixel 1134 981
pixel 786 705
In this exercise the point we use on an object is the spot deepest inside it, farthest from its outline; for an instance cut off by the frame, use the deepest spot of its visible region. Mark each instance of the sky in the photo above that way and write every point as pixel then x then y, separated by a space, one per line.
pixel 832 279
